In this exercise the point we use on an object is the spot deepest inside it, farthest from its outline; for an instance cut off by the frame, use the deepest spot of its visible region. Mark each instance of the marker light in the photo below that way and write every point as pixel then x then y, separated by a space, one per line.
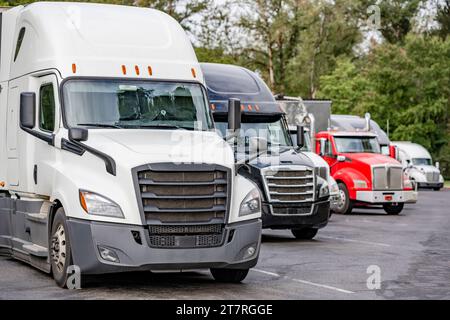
pixel 74 68
pixel 124 69
pixel 150 71
pixel 193 73
pixel 136 68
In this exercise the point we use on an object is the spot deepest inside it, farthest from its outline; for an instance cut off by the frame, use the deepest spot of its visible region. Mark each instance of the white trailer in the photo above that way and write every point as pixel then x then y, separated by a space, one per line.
pixel 109 160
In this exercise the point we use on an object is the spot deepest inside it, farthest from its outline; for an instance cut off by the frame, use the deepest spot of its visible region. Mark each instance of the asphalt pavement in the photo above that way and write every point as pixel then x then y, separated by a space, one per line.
pixel 365 255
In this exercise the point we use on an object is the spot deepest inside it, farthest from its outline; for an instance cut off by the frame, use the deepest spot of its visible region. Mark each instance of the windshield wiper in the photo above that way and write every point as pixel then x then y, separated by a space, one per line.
pixel 162 126
pixel 100 125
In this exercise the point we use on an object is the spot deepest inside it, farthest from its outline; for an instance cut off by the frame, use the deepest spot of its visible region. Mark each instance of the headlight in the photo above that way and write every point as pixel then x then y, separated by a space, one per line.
pixel 360 184
pixel 251 203
pixel 334 188
pixel 98 205
pixel 324 189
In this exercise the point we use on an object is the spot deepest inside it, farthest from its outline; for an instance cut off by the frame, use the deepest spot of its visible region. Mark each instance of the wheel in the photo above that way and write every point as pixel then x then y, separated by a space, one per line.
pixel 229 275
pixel 60 250
pixel 304 234
pixel 344 204
pixel 391 208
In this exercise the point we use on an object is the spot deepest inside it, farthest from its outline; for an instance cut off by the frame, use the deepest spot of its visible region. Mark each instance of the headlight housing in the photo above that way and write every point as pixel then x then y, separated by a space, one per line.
pixel 323 187
pixel 251 203
pixel 360 184
pixel 95 204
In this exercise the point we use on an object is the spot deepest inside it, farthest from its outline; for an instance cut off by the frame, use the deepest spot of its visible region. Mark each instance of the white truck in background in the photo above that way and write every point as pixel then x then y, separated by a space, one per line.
pixel 108 156
pixel 418 165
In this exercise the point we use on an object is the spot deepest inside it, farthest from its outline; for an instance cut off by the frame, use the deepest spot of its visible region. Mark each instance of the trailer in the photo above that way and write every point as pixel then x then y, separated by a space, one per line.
pixel 109 161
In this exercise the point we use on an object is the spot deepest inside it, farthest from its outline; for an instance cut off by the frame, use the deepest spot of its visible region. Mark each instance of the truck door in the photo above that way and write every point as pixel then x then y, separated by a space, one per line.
pixel 47 109
pixel 325 151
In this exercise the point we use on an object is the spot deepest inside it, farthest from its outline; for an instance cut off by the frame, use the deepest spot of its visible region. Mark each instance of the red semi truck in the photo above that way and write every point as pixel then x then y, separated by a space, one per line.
pixel 365 176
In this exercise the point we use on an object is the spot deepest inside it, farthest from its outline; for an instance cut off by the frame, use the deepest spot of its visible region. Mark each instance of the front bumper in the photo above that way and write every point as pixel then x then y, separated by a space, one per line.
pixel 430 184
pixel 334 201
pixel 382 196
pixel 411 196
pixel 317 219
pixel 86 236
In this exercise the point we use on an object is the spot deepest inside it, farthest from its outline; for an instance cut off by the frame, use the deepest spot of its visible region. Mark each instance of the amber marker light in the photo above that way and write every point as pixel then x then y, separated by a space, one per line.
pixel 194 74
pixel 150 71
pixel 83 202
pixel 124 69
pixel 136 68
pixel 74 68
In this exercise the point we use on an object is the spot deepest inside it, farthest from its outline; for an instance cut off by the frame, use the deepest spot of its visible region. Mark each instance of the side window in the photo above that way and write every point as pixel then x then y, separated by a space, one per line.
pixel 47 108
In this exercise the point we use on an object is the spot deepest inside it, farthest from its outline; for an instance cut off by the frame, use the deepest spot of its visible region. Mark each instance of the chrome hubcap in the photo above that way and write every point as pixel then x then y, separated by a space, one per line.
pixel 58 248
pixel 342 199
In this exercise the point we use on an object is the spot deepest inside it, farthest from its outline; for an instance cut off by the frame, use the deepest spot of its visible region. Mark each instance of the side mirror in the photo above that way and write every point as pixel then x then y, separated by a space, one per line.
pixel 28 110
pixel 437 164
pixel 300 136
pixel 78 134
pixel 234 114
pixel 322 150
pixel 341 158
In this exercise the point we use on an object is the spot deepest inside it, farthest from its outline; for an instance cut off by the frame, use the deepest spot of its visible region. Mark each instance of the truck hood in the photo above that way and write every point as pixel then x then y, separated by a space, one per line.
pixel 134 147
pixel 426 168
pixel 287 158
pixel 371 158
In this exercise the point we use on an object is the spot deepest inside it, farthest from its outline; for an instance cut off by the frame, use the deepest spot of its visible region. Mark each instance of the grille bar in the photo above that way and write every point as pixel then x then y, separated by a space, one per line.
pixel 166 183
pixel 183 210
pixel 289 186
pixel 387 177
pixel 148 195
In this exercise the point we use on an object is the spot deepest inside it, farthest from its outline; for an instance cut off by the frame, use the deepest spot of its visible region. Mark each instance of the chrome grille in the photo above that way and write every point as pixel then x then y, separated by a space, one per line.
pixel 432 176
pixel 289 185
pixel 183 196
pixel 387 178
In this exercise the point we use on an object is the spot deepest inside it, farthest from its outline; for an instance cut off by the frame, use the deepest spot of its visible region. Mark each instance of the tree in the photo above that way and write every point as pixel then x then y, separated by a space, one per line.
pixel 407 84
pixel 329 30
pixel 443 18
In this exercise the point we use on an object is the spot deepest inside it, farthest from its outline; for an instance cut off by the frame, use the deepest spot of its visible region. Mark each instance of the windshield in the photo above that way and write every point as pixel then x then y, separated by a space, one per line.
pixel 273 130
pixel 421 161
pixel 357 144
pixel 136 104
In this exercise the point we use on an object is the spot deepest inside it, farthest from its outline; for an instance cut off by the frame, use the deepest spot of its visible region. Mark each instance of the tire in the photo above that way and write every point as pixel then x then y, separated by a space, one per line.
pixel 304 234
pixel 345 205
pixel 393 209
pixel 229 275
pixel 59 249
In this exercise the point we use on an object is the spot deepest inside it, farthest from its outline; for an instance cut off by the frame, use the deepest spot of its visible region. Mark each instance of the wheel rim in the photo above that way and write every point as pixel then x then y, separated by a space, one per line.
pixel 342 199
pixel 58 248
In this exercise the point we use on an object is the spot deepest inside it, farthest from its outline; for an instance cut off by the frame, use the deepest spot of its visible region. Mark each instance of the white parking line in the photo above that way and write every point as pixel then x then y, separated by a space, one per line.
pixel 266 272
pixel 304 281
pixel 356 241
pixel 322 286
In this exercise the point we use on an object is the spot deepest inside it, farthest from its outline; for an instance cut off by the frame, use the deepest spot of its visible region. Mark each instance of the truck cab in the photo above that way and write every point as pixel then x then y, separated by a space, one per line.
pixel 419 166
pixel 109 161
pixel 364 175
pixel 294 186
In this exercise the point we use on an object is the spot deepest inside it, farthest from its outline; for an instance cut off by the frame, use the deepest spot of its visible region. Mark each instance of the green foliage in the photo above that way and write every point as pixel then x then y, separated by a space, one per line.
pixel 405 84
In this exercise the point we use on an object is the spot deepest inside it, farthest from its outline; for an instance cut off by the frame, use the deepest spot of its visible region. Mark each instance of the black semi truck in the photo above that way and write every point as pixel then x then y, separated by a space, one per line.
pixel 294 184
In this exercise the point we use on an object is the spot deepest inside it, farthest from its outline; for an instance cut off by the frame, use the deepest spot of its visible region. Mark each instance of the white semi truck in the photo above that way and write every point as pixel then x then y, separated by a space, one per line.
pixel 109 160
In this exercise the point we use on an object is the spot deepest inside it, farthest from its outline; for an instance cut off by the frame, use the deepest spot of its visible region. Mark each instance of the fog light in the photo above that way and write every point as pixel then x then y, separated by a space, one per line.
pixel 249 252
pixel 108 254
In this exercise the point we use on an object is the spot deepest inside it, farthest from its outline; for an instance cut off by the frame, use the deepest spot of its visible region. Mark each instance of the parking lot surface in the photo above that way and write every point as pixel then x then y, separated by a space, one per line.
pixel 409 252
